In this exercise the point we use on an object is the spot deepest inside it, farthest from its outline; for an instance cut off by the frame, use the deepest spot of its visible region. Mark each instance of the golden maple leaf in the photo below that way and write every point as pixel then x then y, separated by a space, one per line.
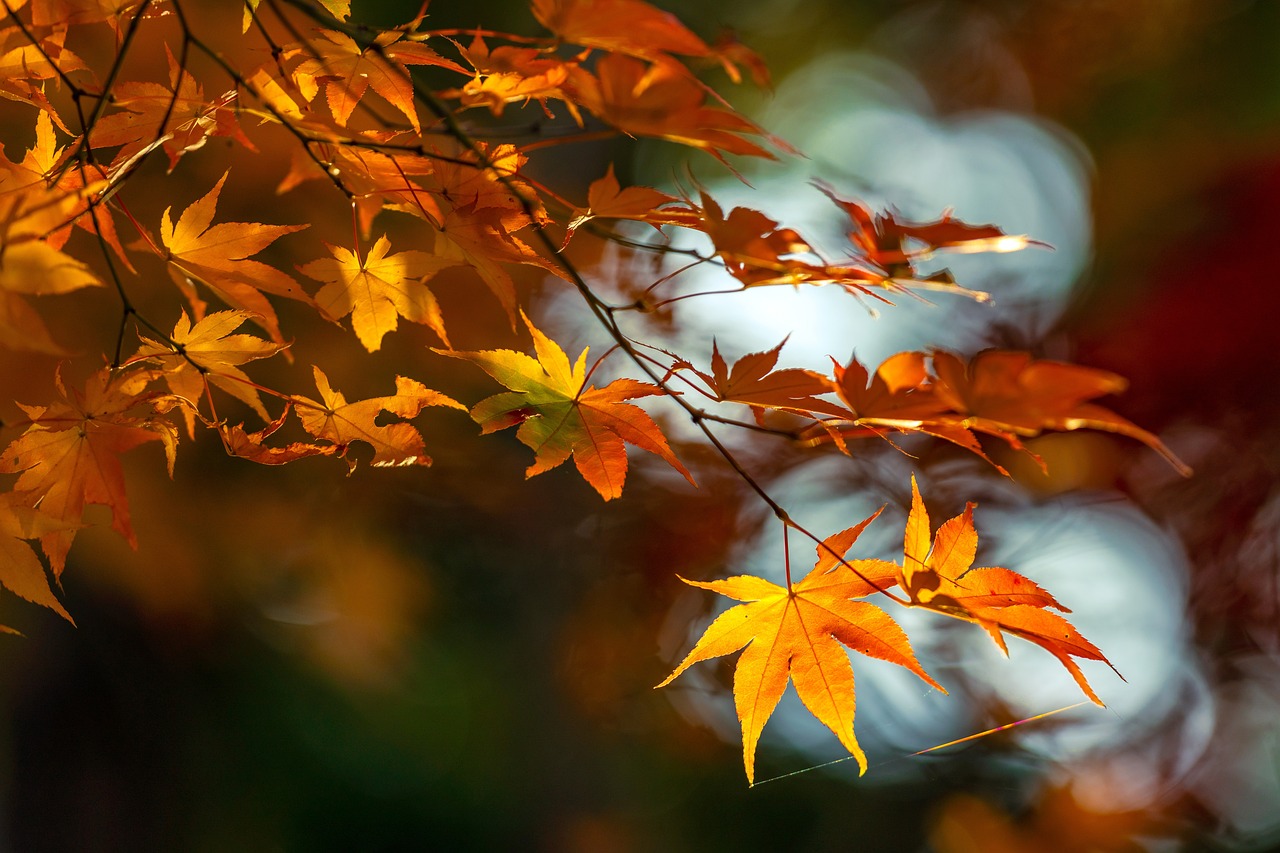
pixel 377 289
pixel 800 632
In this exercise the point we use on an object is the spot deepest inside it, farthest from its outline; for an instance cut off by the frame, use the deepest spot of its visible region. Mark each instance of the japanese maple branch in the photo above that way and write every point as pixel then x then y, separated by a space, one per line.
pixel 602 311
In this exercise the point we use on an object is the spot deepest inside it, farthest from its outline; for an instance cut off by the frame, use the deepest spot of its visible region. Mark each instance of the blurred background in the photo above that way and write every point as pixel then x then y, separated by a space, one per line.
pixel 454 658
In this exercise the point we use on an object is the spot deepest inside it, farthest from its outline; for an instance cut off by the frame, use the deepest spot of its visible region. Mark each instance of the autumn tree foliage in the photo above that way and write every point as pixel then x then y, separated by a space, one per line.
pixel 410 130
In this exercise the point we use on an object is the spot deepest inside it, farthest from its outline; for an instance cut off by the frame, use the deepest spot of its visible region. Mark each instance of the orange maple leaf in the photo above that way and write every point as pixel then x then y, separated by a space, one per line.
pixel 754 382
pixel 378 288
pixel 892 246
pixel 178 114
pixel 26 64
pixel 66 13
pixel 394 445
pixel 941 579
pixel 665 100
pixel 218 255
pixel 34 221
pixel 70 453
pixel 511 74
pixel 252 445
pixel 35 175
pixel 340 9
pixel 560 416
pixel 606 199
pixel 896 397
pixel 20 569
pixel 636 28
pixel 758 252
pixel 347 71
pixel 208 350
pixel 1011 395
pixel 798 633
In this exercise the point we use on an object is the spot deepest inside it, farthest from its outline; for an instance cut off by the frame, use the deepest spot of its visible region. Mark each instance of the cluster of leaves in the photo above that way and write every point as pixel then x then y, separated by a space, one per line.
pixel 605 68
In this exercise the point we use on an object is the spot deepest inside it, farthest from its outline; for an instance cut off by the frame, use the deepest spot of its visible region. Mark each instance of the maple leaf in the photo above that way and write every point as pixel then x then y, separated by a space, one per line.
pixel 481 203
pixel 606 199
pixel 208 350
pixel 471 241
pixel 394 445
pixel 346 71
pixel 896 397
pixel 20 569
pixel 754 382
pixel 511 74
pixel 757 252
pixel 1011 395
pixel 33 221
pixel 178 114
pixel 378 180
pixel 34 175
pixel 619 26
pixel 340 9
pixel 665 100
pixel 892 245
pixel 218 255
pixel 799 633
pixel 66 13
pixel 251 445
pixel 638 29
pixel 70 453
pixel 560 416
pixel 941 579
pixel 378 288
pixel 26 65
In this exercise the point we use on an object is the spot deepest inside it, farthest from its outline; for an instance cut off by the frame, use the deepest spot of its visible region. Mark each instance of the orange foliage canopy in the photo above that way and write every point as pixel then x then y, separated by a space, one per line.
pixel 453 193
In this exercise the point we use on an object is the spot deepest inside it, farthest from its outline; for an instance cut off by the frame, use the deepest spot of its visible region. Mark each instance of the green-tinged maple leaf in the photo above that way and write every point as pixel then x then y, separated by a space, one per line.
pixel 218 255
pixel 940 578
pixel 560 416
pixel 209 350
pixel 377 289
pixel 70 452
pixel 800 633
pixel 394 445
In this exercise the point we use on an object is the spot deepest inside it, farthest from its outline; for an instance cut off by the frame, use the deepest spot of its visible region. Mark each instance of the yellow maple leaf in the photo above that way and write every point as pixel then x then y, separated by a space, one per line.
pixel 377 289
pixel 800 632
